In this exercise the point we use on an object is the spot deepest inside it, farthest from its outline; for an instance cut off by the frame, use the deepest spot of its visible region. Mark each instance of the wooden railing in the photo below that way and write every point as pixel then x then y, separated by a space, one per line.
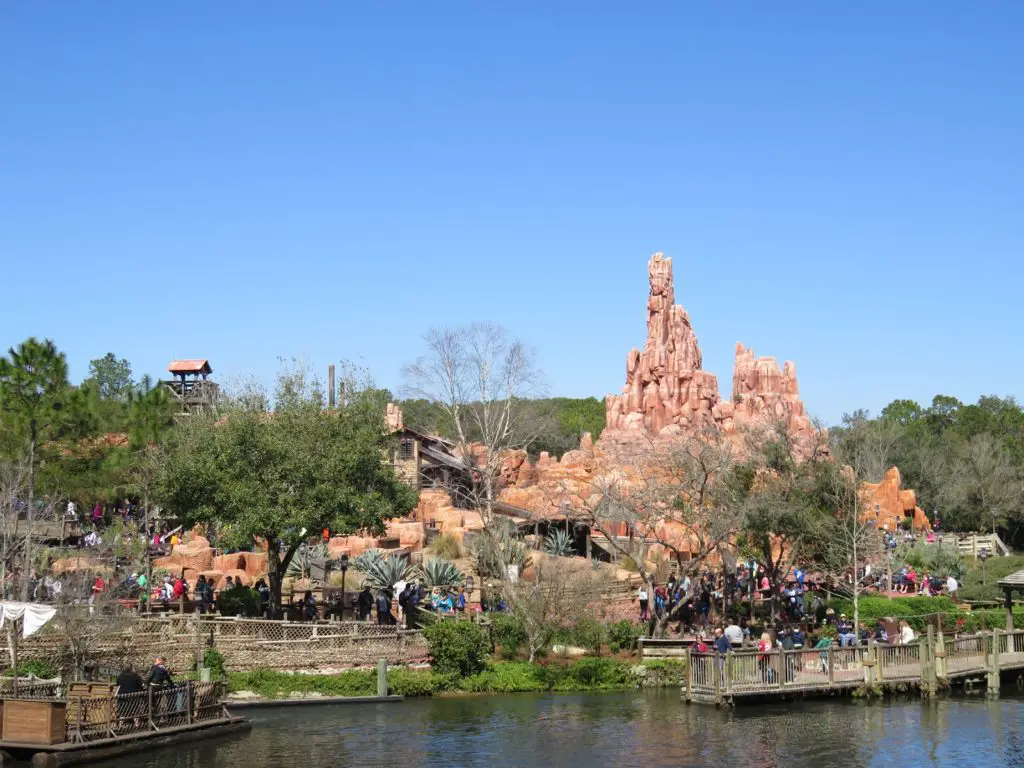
pixel 718 677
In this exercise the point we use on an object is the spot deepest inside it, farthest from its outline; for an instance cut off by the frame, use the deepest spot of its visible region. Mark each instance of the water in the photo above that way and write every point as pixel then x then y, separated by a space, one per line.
pixel 591 730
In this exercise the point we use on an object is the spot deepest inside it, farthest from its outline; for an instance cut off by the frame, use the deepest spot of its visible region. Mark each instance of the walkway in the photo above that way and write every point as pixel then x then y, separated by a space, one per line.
pixel 716 679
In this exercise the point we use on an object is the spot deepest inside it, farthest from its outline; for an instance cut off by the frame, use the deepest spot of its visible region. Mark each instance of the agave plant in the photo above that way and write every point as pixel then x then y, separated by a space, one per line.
pixel 302 562
pixel 559 543
pixel 441 573
pixel 385 572
pixel 495 550
pixel 364 561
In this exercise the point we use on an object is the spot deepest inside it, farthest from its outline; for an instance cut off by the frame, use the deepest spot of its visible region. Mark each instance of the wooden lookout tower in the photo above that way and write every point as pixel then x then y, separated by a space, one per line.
pixel 190 387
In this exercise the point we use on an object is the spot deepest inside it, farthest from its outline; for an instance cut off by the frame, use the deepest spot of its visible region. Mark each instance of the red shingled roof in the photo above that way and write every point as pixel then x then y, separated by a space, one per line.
pixel 197 365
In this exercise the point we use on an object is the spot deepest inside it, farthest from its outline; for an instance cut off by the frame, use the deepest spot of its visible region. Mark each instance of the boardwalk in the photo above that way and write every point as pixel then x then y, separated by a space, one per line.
pixel 717 679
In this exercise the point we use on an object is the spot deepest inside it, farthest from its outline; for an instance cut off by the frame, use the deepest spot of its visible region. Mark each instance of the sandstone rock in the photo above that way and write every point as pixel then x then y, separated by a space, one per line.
pixel 393 418
pixel 889 504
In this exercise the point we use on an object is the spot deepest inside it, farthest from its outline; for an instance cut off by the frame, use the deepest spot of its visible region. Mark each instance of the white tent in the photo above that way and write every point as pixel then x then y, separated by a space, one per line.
pixel 35 615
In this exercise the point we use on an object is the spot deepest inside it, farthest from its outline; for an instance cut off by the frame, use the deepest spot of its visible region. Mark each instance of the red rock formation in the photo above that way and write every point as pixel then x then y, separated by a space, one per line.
pixel 889 504
pixel 668 394
pixel 393 418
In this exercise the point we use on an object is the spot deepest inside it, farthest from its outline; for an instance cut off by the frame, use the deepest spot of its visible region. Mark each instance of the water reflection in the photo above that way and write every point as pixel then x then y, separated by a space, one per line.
pixel 584 731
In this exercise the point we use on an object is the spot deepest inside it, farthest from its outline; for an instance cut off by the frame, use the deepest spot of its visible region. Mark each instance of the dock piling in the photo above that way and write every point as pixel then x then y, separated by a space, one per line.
pixel 382 677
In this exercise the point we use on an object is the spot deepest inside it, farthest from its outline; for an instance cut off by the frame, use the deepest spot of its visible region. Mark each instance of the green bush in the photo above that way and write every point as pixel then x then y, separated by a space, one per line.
pixel 239 601
pixel 214 661
pixel 415 682
pixel 39 667
pixel 624 635
pixel 996 568
pixel 596 674
pixel 665 672
pixel 913 609
pixel 589 634
pixel 508 634
pixel 457 648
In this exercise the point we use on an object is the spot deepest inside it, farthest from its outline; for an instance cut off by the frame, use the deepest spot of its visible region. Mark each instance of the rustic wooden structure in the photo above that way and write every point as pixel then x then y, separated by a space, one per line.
pixel 93 721
pixel 726 678
pixel 1013 582
pixel 429 461
pixel 190 387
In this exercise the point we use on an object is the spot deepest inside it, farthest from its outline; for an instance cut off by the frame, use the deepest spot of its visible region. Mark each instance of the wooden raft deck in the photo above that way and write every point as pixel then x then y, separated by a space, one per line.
pixel 723 678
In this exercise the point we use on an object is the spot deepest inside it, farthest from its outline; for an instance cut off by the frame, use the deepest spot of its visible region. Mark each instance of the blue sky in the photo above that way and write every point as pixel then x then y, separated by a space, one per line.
pixel 838 184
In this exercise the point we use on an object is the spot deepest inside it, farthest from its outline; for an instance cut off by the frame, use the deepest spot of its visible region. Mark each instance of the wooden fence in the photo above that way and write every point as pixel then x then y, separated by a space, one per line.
pixel 719 678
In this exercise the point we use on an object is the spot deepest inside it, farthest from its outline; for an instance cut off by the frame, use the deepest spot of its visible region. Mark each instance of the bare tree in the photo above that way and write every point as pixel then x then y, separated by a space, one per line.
pixel 848 541
pixel 984 478
pixel 483 381
pixel 676 500
pixel 555 599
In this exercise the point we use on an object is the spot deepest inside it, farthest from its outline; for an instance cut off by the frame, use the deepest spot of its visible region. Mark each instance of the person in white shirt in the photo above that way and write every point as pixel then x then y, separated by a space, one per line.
pixel 641 595
pixel 907 635
pixel 951 586
pixel 734 634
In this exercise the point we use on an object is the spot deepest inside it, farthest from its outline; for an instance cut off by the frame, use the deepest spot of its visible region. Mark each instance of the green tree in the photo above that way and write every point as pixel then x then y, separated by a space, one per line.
pixel 278 477
pixel 112 377
pixel 33 393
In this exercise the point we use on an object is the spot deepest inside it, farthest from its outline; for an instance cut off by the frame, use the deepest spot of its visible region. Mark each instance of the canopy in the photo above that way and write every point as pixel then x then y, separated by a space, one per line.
pixel 35 615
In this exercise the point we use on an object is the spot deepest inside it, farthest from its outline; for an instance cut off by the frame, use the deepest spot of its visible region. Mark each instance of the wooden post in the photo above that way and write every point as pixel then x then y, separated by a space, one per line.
pixel 1009 608
pixel 831 665
pixel 689 671
pixel 941 666
pixel 382 677
pixel 929 682
pixel 149 707
pixel 993 666
pixel 870 663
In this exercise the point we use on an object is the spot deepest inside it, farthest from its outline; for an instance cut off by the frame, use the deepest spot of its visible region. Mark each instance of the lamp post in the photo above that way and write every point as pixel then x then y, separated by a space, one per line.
pixel 343 564
pixel 983 556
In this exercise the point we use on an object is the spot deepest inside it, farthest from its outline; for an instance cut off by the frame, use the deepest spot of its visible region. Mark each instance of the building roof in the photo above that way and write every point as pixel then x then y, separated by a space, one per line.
pixel 196 365
pixel 1014 580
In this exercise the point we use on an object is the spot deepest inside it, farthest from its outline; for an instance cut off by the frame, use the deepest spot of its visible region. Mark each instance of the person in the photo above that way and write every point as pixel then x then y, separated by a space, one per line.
pixel 460 601
pixel 907 635
pixel 847 635
pixel 143 582
pixel 167 592
pixel 721 642
pixel 365 603
pixel 204 594
pixel 384 616
pixel 699 645
pixel 159 676
pixel 822 646
pixel 951 587
pixel 764 647
pixel 641 595
pixel 72 512
pixel 445 603
pixel 263 590
pixel 309 606
pixel 786 644
pixel 128 683
pixel 734 633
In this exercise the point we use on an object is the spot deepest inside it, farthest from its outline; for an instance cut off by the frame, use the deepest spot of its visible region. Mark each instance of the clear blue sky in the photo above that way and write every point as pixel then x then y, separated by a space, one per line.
pixel 839 184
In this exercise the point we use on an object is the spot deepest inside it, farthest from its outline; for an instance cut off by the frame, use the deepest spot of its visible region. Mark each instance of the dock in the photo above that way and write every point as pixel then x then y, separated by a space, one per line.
pixel 933 663
pixel 50 726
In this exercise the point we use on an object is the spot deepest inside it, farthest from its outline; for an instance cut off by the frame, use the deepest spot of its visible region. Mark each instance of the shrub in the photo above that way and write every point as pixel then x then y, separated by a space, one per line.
pixel 508 634
pixel 914 609
pixel 40 668
pixel 214 661
pixel 457 647
pixel 410 682
pixel 624 635
pixel 591 674
pixel 239 601
pixel 588 634
pixel 447 547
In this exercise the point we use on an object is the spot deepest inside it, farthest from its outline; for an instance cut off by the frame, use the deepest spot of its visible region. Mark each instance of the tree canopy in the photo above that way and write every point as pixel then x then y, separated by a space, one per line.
pixel 281 476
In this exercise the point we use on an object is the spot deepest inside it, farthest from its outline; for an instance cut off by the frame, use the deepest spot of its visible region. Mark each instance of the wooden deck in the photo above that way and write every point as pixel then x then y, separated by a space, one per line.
pixel 934 661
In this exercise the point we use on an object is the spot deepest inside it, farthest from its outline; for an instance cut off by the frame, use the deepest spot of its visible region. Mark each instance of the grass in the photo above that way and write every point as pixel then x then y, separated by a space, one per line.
pixel 587 674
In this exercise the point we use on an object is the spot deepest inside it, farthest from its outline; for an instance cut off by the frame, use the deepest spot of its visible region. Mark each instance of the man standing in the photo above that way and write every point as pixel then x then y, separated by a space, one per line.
pixel 384 616
pixel 128 683
pixel 365 603
pixel 951 587
pixel 734 633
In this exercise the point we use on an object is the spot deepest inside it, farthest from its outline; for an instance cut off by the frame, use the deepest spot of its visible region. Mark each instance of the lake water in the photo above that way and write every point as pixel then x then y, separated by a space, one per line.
pixel 591 730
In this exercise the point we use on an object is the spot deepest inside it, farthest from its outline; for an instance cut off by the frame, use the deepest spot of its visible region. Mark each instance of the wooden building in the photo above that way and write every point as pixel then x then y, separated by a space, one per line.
pixel 190 386
pixel 429 461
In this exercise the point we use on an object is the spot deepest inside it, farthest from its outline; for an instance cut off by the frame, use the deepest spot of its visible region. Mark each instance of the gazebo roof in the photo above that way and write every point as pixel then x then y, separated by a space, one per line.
pixel 1013 581
pixel 197 365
